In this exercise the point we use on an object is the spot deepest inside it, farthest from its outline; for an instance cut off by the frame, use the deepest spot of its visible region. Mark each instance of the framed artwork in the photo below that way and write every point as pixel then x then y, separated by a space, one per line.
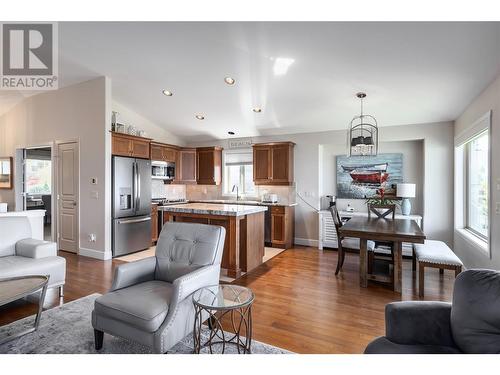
pixel 6 172
pixel 359 177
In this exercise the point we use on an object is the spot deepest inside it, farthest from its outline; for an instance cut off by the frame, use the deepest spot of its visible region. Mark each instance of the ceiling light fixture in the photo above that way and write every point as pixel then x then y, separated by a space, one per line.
pixel 200 117
pixel 281 65
pixel 167 93
pixel 229 80
pixel 362 137
pixel 257 110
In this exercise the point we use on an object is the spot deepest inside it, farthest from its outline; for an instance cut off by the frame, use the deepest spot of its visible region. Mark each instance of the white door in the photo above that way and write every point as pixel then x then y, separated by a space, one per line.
pixel 67 195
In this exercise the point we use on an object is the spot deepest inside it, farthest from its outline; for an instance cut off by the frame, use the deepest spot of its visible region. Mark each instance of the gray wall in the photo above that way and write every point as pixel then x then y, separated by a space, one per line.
pixel 413 171
pixel 437 140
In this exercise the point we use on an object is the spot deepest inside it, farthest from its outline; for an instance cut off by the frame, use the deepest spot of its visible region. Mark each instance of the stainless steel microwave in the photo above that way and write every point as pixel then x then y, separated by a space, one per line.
pixel 162 170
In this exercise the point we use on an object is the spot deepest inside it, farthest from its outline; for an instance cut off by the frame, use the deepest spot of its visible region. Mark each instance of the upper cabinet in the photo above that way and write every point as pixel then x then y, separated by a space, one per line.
pixel 185 171
pixel 164 152
pixel 129 145
pixel 273 163
pixel 209 165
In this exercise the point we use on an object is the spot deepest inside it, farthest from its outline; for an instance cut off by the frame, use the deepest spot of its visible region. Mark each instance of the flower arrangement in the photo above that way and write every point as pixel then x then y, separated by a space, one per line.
pixel 381 198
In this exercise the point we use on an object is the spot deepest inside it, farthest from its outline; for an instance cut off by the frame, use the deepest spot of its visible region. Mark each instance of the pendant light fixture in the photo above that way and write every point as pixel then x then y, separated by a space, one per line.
pixel 362 136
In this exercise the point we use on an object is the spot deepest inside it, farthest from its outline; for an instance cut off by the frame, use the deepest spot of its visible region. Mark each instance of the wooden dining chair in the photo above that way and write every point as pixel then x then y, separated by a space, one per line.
pixel 345 243
pixel 381 211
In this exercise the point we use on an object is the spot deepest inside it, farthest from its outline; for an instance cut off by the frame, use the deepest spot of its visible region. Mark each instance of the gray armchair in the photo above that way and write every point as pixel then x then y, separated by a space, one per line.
pixel 470 324
pixel 149 301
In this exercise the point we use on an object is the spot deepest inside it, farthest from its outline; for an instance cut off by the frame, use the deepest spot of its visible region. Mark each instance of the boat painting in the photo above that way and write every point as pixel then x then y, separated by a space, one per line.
pixel 359 177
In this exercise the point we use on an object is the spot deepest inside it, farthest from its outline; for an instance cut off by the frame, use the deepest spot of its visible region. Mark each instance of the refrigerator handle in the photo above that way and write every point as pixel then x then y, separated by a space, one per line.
pixel 138 187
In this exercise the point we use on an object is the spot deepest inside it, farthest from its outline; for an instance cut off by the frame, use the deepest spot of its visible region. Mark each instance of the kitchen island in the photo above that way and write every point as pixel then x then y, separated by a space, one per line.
pixel 244 244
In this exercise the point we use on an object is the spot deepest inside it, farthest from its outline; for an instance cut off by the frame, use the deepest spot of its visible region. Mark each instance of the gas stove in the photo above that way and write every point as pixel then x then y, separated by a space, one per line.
pixel 167 202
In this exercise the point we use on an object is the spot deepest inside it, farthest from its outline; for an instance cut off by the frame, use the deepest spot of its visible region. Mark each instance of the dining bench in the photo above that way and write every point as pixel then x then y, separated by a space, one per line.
pixel 435 254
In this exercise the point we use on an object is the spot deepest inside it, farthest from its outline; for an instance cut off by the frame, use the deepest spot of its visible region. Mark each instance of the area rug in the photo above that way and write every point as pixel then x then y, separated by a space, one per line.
pixel 68 330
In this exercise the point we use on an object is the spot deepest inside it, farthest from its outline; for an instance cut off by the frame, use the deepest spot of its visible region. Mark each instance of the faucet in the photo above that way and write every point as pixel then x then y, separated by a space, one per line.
pixel 237 192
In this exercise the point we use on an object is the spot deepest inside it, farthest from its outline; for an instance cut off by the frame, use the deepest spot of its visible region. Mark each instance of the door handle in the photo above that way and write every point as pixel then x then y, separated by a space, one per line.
pixel 132 221
pixel 74 204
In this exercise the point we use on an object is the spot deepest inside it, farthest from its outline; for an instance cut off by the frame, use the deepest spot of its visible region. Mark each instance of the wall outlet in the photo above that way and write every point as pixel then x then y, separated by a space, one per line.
pixel 92 237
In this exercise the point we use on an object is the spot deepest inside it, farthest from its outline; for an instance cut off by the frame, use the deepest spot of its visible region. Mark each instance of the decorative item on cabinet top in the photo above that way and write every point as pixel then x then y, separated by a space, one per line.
pixel 273 163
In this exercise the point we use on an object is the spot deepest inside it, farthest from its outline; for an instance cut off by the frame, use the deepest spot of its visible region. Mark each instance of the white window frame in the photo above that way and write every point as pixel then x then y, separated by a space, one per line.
pixel 478 241
pixel 226 190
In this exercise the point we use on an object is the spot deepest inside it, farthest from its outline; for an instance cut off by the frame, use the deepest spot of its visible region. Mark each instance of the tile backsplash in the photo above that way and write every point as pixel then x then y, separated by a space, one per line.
pixel 286 194
pixel 161 190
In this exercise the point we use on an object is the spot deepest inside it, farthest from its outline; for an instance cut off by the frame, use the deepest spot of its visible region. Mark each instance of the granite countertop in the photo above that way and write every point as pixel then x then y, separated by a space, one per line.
pixel 243 202
pixel 214 209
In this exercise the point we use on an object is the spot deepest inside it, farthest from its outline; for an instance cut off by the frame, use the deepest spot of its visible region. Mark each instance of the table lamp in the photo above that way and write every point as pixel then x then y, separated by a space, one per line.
pixel 405 191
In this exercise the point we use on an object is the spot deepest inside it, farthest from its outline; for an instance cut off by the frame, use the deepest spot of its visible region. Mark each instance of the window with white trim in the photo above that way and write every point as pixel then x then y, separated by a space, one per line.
pixel 477 184
pixel 238 171
pixel 472 183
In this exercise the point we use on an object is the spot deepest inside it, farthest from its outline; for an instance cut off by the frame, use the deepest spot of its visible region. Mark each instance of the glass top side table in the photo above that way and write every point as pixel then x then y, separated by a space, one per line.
pixel 15 288
pixel 217 302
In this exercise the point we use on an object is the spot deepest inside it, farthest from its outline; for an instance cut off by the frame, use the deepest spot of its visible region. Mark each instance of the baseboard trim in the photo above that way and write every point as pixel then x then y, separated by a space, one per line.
pixel 96 254
pixel 306 242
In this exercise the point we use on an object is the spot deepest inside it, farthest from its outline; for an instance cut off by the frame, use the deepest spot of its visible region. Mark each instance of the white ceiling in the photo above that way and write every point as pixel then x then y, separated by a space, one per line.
pixel 412 72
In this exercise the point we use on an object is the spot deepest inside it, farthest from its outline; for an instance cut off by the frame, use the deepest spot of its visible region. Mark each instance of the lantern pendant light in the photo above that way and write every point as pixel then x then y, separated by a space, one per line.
pixel 362 136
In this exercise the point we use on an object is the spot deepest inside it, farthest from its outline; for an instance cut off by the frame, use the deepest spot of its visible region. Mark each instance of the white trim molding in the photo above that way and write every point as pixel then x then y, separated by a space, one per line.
pixel 96 254
pixel 479 126
pixel 306 242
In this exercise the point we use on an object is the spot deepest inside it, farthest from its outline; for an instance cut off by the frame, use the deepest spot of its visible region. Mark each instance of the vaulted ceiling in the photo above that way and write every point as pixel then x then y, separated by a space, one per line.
pixel 411 72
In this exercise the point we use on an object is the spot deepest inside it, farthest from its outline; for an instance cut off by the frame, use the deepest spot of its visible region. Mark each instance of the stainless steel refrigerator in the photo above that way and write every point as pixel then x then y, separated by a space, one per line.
pixel 131 205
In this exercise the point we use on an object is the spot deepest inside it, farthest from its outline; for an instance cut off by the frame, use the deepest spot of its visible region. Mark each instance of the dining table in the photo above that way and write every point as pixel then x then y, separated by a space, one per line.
pixel 396 231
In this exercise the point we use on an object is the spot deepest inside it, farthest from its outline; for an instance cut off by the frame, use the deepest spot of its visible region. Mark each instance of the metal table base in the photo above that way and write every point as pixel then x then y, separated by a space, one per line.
pixel 241 321
pixel 41 299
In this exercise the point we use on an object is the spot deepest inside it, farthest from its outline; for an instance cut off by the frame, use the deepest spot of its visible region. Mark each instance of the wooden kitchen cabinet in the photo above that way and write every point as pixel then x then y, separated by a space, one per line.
pixel 154 223
pixel 163 152
pixel 129 145
pixel 273 163
pixel 209 165
pixel 282 226
pixel 185 172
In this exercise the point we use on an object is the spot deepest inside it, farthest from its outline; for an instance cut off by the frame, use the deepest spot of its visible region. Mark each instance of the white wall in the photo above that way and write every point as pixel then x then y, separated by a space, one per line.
pixel 437 165
pixel 77 112
pixel 488 100
pixel 413 171
pixel 129 117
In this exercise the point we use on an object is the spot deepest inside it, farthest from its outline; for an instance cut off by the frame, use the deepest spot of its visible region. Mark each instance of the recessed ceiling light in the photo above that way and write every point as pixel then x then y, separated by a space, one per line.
pixel 200 117
pixel 281 65
pixel 229 80
pixel 167 93
pixel 230 133
pixel 257 110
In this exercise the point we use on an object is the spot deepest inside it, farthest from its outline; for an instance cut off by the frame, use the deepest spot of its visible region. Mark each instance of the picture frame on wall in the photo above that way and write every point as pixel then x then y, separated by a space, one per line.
pixel 360 177
pixel 6 176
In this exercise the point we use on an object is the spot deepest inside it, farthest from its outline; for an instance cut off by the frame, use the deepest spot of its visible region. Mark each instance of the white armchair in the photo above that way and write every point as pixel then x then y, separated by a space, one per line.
pixel 21 255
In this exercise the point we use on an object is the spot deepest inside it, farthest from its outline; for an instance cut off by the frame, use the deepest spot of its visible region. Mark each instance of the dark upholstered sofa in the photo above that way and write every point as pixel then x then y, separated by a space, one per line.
pixel 470 324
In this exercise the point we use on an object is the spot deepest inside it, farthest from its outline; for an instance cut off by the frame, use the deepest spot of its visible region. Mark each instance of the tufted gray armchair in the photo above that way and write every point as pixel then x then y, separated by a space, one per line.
pixel 149 301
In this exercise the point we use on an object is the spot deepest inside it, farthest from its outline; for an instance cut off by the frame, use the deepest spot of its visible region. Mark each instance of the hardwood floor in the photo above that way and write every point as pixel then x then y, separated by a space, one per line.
pixel 300 304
